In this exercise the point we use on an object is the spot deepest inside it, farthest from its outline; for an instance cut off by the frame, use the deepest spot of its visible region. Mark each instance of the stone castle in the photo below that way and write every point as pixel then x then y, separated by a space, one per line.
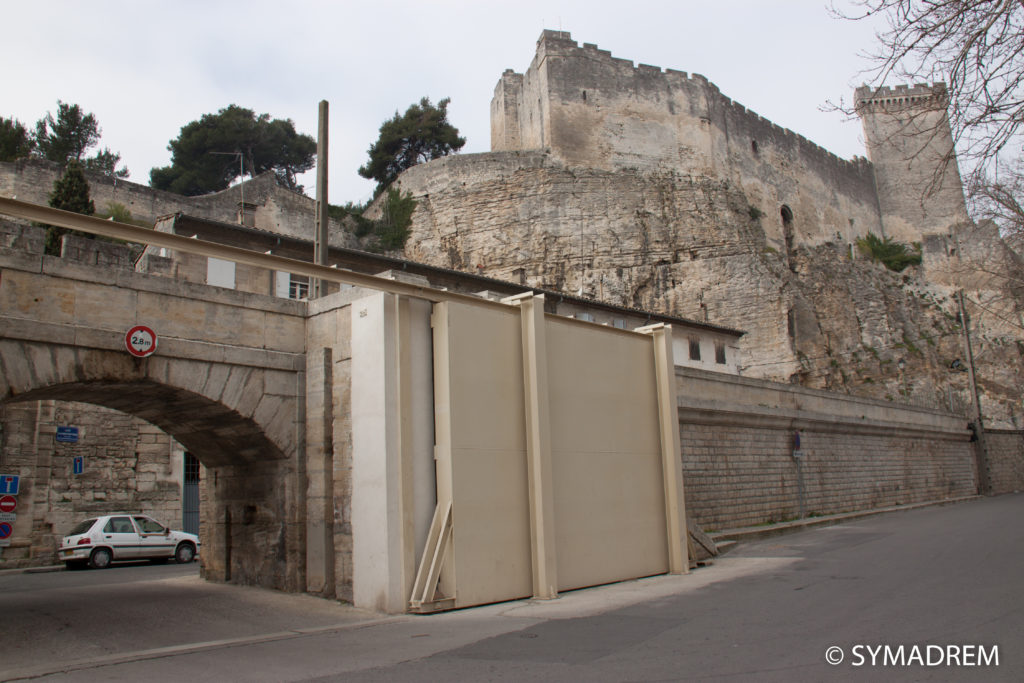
pixel 649 188
pixel 652 189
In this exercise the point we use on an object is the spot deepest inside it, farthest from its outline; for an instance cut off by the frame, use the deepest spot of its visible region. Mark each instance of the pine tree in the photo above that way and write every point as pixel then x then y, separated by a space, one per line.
pixel 70 193
pixel 420 135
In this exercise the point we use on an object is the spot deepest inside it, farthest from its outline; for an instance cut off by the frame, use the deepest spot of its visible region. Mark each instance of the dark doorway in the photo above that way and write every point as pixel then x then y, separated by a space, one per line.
pixel 190 495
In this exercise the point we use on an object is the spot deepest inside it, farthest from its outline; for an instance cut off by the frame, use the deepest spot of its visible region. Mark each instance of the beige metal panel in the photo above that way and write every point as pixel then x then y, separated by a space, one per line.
pixel 487 379
pixel 481 452
pixel 606 455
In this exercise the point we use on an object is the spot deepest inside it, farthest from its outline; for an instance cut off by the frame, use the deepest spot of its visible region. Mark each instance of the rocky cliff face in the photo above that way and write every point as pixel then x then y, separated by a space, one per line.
pixel 822 315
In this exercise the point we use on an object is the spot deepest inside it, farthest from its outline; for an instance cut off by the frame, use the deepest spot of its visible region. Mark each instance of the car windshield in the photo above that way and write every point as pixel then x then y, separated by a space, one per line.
pixel 82 527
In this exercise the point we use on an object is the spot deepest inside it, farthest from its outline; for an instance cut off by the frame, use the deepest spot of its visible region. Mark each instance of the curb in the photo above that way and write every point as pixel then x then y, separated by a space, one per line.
pixel 751 533
pixel 33 570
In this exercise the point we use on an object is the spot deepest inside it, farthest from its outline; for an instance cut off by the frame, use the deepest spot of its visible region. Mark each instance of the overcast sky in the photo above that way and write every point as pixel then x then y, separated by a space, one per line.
pixel 145 69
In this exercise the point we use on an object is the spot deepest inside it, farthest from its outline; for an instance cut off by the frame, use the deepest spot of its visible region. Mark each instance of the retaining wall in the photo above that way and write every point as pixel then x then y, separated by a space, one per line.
pixel 1005 459
pixel 737 437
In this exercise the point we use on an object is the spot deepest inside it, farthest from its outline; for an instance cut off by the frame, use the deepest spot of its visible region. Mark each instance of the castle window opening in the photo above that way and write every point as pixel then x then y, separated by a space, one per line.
pixel 720 353
pixel 694 348
pixel 753 147
pixel 787 231
pixel 584 95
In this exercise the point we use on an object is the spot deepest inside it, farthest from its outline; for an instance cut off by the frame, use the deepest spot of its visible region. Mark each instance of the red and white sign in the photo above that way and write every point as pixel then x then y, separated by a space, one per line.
pixel 140 341
pixel 8 503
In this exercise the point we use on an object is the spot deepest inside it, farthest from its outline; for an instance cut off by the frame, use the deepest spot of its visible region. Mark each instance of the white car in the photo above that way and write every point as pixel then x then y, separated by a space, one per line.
pixel 98 541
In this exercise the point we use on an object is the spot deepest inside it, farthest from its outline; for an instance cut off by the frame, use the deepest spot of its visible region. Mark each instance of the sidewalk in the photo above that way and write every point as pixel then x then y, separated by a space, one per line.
pixel 751 533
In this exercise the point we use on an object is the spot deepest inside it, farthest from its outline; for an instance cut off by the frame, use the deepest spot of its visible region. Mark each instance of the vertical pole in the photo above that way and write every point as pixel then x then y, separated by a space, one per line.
pixel 981 452
pixel 241 188
pixel 322 217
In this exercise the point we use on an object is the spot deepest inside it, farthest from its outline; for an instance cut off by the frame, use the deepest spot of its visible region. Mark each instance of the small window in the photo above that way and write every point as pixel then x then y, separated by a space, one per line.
pixel 720 353
pixel 753 147
pixel 694 348
pixel 298 289
pixel 619 323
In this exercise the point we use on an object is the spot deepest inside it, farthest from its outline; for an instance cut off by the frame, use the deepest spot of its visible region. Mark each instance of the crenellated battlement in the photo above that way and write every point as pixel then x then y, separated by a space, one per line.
pixel 591 109
pixel 884 98
pixel 641 81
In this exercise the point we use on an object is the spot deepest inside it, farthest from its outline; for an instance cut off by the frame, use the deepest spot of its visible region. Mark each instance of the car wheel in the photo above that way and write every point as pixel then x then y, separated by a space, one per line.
pixel 100 558
pixel 184 553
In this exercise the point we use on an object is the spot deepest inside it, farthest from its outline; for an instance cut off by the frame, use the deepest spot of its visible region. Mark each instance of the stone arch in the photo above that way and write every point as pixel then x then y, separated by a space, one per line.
pixel 241 422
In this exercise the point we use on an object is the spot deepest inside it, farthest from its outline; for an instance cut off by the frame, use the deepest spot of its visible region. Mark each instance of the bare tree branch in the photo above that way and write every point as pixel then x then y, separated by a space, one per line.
pixel 975 46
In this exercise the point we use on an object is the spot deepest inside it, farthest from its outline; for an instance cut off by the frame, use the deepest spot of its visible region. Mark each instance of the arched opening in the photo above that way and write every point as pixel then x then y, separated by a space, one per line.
pixel 249 482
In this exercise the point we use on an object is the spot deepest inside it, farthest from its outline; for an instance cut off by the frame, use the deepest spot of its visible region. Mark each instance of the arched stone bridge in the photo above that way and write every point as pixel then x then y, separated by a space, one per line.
pixel 227 382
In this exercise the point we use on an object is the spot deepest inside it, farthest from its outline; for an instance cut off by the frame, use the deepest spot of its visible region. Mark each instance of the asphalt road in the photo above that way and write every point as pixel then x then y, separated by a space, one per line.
pixel 768 611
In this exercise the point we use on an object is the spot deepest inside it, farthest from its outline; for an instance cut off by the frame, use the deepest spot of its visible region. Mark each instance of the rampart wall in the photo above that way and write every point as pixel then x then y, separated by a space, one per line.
pixel 593 110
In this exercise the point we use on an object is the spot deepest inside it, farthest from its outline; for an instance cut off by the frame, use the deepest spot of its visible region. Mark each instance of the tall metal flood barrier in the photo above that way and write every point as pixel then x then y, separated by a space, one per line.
pixel 499 452
pixel 557 456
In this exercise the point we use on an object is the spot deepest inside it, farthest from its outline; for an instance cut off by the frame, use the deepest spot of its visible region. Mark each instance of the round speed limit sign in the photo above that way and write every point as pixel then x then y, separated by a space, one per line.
pixel 140 341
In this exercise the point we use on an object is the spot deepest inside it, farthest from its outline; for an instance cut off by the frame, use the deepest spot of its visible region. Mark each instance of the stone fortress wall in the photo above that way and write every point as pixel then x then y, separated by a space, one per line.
pixel 650 188
pixel 596 111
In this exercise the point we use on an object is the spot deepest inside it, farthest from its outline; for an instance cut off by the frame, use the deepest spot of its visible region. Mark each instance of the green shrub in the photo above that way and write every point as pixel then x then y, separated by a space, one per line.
pixel 392 229
pixel 893 255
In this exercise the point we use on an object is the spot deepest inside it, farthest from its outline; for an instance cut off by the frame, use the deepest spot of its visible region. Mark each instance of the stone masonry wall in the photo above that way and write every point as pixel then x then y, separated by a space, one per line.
pixel 129 465
pixel 596 111
pixel 273 208
pixel 1005 460
pixel 909 142
pixel 737 440
pixel 744 475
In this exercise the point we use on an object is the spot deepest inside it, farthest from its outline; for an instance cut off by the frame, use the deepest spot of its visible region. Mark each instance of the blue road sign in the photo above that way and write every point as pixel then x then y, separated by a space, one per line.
pixel 9 484
pixel 78 464
pixel 67 434
pixel 5 529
